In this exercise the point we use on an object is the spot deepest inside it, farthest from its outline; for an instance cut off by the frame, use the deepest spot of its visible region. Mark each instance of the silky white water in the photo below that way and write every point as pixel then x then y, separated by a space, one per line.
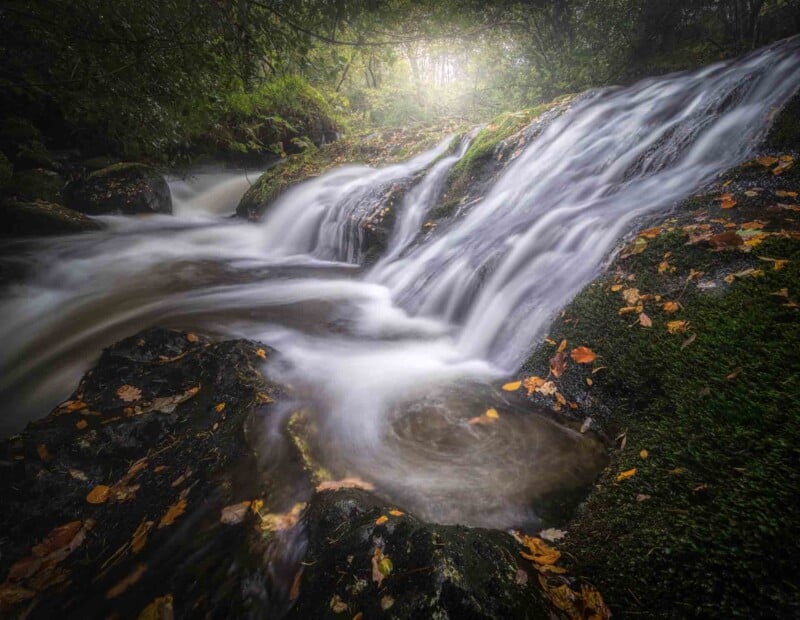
pixel 391 361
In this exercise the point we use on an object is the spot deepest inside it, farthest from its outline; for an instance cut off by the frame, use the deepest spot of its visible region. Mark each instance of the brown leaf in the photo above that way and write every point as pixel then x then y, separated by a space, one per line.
pixel 532 384
pixel 174 511
pixel 192 337
pixel 11 594
pixel 43 452
pixel 99 494
pixel 128 393
pixel 345 483
pixel 725 240
pixel 583 355
pixel 671 306
pixel 767 161
pixel 139 538
pixel 727 201
pixel 235 513
pixel 159 609
pixel 651 233
pixel 540 551
pixel 677 327
pixel 294 592
pixel 558 363
pixel 645 320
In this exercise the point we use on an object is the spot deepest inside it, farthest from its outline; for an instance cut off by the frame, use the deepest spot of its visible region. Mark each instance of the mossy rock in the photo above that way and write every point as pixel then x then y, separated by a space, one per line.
pixel 37 184
pixel 430 571
pixel 785 131
pixel 34 154
pixel 94 164
pixel 41 218
pixel 124 188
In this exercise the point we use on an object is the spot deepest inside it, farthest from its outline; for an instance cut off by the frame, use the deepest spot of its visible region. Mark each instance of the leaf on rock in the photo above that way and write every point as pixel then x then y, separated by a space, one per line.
pixel 532 384
pixel 767 161
pixel 513 386
pixel 727 201
pixel 677 327
pixel 43 452
pixel 381 566
pixel 262 354
pixel 235 513
pixel 539 551
pixel 128 393
pixel 159 609
pixel 644 320
pixel 381 520
pixel 583 355
pixel 651 233
pixel 337 605
pixel 552 534
pixel 99 494
pixel 192 337
pixel 174 511
pixel 220 408
pixel 558 363
pixel 279 522
pixel 126 582
pixel 139 538
pixel 345 483
pixel 626 474
pixel 631 296
pixel 671 306
pixel 643 454
pixel 396 513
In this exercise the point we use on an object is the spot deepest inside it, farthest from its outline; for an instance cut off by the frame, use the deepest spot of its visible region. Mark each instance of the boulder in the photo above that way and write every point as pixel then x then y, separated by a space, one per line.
pixel 36 184
pixel 111 504
pixel 366 557
pixel 125 188
pixel 41 218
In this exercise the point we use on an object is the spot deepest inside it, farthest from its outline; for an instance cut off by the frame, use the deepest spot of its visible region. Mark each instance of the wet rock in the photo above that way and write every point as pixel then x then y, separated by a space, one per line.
pixel 41 218
pixel 114 499
pixel 37 184
pixel 379 221
pixel 125 188
pixel 405 568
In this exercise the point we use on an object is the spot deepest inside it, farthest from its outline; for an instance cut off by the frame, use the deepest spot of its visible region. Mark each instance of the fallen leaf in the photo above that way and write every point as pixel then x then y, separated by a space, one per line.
pixel 784 292
pixel 583 355
pixel 381 520
pixel 562 346
pixel 532 384
pixel 784 194
pixel 396 513
pixel 735 373
pixel 77 474
pixel 381 566
pixel 616 287
pixel 139 538
pixel 746 273
pixel 345 483
pixel 631 296
pixel 99 494
pixel 386 602
pixel 626 474
pixel 644 454
pixel 671 306
pixel 513 386
pixel 337 605
pixel 174 511
pixel 279 522
pixel 548 388
pixel 294 592
pixel 645 320
pixel 558 363
pixel 125 583
pixel 725 240
pixel 159 609
pixel 262 354
pixel 81 424
pixel 235 513
pixel 688 341
pixel 651 233
pixel 767 161
pixel 678 471
pixel 128 393
pixel 11 594
pixel 727 201
pixel 540 552
pixel 192 337
pixel 587 424
pixel 677 327
pixel 43 452
pixel 642 497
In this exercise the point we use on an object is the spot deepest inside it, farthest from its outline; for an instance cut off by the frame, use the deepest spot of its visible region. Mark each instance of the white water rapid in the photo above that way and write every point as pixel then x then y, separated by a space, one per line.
pixel 391 361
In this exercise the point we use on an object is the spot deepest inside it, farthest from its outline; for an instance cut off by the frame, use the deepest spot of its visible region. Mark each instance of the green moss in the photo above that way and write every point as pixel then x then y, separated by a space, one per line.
pixel 32 185
pixel 785 131
pixel 718 532
pixel 41 218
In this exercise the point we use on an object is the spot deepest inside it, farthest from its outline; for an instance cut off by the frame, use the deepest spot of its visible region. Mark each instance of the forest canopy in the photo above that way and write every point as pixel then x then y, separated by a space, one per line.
pixel 162 79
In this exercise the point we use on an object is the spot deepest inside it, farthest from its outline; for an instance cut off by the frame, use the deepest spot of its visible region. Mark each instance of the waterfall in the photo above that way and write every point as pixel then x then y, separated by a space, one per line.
pixel 392 359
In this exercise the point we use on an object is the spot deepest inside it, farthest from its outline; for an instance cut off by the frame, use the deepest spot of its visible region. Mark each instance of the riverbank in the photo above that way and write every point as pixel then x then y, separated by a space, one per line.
pixel 695 382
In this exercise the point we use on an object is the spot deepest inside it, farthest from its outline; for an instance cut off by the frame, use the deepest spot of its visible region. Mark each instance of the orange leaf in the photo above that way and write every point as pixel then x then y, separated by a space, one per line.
pixel 98 495
pixel 174 511
pixel 583 355
pixel 381 520
pixel 626 474
pixel 512 386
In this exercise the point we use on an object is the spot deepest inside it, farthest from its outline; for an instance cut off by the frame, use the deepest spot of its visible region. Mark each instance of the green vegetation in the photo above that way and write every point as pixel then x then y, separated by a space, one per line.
pixel 706 526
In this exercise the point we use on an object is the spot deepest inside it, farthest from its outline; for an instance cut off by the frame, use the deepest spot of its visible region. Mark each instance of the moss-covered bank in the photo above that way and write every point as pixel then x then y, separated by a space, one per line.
pixel 697 383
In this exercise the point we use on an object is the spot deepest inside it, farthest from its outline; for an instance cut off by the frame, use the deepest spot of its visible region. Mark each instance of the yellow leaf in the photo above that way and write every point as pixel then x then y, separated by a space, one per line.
pixel 174 511
pixel 532 384
pixel 651 233
pixel 562 346
pixel 626 474
pixel 128 393
pixel 644 454
pixel 262 354
pixel 396 513
pixel 616 287
pixel 767 161
pixel 159 609
pixel 492 414
pixel 98 495
pixel 583 355
pixel 220 408
pixel 512 386
pixel 631 296
pixel 381 520
pixel 779 264
pixel 782 194
pixel 677 327
pixel 663 266
pixel 678 471
pixel 540 551
pixel 139 538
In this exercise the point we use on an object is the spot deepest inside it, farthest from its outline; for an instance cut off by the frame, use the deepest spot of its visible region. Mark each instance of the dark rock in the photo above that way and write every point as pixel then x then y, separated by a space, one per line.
pixel 378 224
pixel 147 424
pixel 126 188
pixel 35 155
pixel 37 184
pixel 16 131
pixel 41 218
pixel 436 571
pixel 6 171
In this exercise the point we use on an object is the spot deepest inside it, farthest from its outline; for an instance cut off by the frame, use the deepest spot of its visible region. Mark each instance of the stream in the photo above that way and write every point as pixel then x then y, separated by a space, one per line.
pixel 391 360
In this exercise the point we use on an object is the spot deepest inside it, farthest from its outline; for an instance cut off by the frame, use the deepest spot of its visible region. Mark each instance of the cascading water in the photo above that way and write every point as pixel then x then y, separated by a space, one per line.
pixel 392 362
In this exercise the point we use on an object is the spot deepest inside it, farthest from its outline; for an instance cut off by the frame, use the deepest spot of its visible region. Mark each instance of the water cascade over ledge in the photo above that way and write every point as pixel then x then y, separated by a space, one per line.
pixel 389 362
